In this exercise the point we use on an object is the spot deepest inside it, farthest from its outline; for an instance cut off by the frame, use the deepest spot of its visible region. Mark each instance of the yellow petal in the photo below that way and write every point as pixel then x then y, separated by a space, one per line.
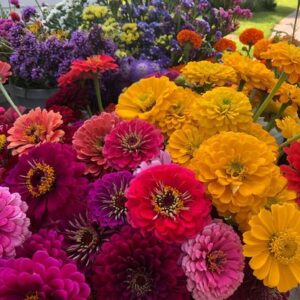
pixel 260 260
pixel 274 274
pixel 263 272
pixel 287 281
pixel 260 232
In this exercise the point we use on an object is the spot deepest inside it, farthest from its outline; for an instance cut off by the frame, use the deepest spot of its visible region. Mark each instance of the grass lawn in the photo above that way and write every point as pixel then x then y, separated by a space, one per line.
pixel 266 20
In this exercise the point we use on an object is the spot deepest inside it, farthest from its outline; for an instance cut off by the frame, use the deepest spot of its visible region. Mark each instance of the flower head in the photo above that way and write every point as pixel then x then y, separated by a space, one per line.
pixel 14 223
pixel 213 262
pixel 225 44
pixel 251 36
pixel 143 99
pixel 132 266
pixel 5 71
pixel 205 72
pixel 34 128
pixel 50 180
pixel 130 143
pixel 288 127
pixel 42 277
pixel 273 243
pixel 107 199
pixel 168 201
pixel 15 3
pixel 260 47
pixel 189 36
pixel 14 16
pixel 88 142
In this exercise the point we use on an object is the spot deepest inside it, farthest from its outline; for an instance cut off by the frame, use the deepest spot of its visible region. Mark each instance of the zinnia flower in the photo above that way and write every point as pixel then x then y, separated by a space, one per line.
pixel 35 128
pixel 132 266
pixel 274 247
pixel 189 36
pixel 213 262
pixel 260 47
pixel 5 71
pixel 207 73
pixel 14 16
pixel 251 36
pixel 88 142
pixel 50 180
pixel 285 57
pixel 292 171
pixel 288 127
pixel 107 199
pixel 143 99
pixel 42 277
pixel 13 222
pixel 130 143
pixel 237 169
pixel 169 201
pixel 225 44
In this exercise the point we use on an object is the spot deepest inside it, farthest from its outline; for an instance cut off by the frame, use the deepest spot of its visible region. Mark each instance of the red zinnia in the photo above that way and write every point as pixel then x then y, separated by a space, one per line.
pixel 250 36
pixel 15 16
pixel 4 71
pixel 292 172
pixel 189 36
pixel 169 201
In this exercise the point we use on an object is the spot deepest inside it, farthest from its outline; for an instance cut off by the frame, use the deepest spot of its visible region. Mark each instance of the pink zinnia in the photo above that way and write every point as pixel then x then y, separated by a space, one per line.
pixel 13 222
pixel 35 128
pixel 132 142
pixel 5 71
pixel 213 262
pixel 89 139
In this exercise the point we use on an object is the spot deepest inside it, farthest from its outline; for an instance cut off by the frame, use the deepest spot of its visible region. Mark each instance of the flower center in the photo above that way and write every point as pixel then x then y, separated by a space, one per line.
pixel 271 201
pixel 2 141
pixel 285 247
pixel 118 205
pixel 87 237
pixel 215 261
pixel 132 142
pixel 40 179
pixel 168 201
pixel 225 106
pixel 32 296
pixel 148 101
pixel 235 170
pixel 35 133
pixel 139 282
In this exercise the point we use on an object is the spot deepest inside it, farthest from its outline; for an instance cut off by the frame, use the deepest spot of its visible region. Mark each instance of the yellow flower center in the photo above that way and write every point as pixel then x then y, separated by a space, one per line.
pixel 147 101
pixel 284 246
pixel 132 142
pixel 32 296
pixel 2 141
pixel 215 261
pixel 235 170
pixel 40 179
pixel 34 133
pixel 168 201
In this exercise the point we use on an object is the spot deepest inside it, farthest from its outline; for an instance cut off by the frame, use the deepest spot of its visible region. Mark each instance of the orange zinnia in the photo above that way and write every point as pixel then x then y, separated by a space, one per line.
pixel 251 36
pixel 260 47
pixel 225 44
pixel 189 36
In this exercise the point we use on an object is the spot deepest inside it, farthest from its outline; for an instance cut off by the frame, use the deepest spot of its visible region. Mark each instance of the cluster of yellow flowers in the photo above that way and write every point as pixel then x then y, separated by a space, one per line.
pixel 211 126
pixel 95 12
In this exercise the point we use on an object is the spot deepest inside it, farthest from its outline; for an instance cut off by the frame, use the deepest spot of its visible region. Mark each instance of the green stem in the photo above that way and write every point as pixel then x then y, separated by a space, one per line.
pixel 9 100
pixel 289 141
pixel 269 98
pixel 283 107
pixel 98 93
pixel 241 85
pixel 40 8
pixel 295 23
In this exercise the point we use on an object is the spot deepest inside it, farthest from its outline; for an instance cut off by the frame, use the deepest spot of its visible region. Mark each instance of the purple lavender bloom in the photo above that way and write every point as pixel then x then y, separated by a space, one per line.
pixel 106 201
pixel 141 68
pixel 218 35
pixel 28 12
pixel 204 25
pixel 15 3
pixel 5 26
pixel 188 3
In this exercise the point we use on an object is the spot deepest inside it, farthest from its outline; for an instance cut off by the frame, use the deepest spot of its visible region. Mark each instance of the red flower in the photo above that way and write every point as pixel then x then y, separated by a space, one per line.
pixel 292 172
pixel 169 201
pixel 15 16
pixel 4 71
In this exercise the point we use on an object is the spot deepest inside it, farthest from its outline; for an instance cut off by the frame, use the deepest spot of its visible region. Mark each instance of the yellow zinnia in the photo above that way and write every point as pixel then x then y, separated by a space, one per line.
pixel 223 109
pixel 286 57
pixel 208 73
pixel 144 98
pixel 184 142
pixel 273 243
pixel 288 127
pixel 237 169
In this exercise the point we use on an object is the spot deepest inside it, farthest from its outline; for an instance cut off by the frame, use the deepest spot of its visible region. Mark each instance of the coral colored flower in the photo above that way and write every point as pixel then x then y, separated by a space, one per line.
pixel 48 240
pixel 225 44
pixel 130 143
pixel 168 201
pixel 251 36
pixel 285 57
pixel 132 266
pixel 189 36
pixel 51 181
pixel 42 277
pixel 239 180
pixel 273 243
pixel 107 199
pixel 5 71
pixel 213 262
pixel 88 142
pixel 34 128
pixel 13 222
pixel 260 47
pixel 292 171
pixel 223 109
pixel 207 73
pixel 143 99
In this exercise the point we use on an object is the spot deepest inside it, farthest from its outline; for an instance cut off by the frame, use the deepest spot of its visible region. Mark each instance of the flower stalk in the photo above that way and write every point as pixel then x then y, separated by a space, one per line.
pixel 289 141
pixel 98 93
pixel 9 100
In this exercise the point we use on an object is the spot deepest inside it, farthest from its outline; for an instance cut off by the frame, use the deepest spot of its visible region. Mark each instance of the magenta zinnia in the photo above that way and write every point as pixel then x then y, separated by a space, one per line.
pixel 213 262
pixel 132 142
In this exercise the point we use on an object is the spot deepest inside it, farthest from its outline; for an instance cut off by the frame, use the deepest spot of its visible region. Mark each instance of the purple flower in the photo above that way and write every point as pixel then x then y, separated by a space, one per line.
pixel 5 26
pixel 15 3
pixel 107 199
pixel 28 12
